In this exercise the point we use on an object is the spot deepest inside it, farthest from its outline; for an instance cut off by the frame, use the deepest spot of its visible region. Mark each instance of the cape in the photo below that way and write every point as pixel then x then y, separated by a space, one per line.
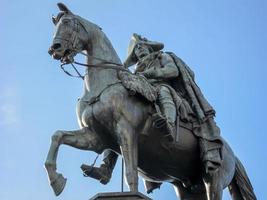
pixel 200 105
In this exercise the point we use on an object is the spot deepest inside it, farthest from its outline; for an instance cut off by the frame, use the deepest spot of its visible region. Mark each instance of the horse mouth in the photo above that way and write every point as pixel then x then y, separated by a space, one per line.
pixel 68 56
pixel 64 56
pixel 56 56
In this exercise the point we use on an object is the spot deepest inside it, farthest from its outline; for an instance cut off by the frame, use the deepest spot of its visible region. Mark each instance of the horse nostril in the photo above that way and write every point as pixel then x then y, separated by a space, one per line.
pixel 50 51
pixel 56 46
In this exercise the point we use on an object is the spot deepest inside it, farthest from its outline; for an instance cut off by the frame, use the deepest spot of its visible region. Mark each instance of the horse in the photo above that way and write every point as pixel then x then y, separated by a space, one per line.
pixel 111 118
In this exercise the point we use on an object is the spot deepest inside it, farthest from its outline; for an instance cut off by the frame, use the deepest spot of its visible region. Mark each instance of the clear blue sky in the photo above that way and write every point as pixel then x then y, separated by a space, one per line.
pixel 224 42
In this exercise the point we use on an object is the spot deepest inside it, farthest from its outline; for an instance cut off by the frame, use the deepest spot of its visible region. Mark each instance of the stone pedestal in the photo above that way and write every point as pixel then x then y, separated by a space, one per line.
pixel 120 196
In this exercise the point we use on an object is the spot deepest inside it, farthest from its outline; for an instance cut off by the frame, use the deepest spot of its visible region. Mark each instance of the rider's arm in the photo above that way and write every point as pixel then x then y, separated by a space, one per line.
pixel 167 70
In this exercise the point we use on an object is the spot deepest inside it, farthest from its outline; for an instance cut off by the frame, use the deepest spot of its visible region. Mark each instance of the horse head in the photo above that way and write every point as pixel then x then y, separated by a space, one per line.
pixel 74 34
pixel 70 35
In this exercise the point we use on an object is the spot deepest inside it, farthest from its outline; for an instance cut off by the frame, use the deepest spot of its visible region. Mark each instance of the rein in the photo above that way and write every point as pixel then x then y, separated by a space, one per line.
pixel 103 64
pixel 69 74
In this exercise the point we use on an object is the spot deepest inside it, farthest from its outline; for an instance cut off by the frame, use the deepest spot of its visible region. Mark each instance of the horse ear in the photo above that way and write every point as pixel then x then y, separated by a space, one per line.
pixel 63 8
pixel 54 19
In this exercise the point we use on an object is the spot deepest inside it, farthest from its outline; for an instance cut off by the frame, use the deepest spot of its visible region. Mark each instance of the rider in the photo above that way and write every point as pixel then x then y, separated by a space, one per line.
pixel 159 69
pixel 164 70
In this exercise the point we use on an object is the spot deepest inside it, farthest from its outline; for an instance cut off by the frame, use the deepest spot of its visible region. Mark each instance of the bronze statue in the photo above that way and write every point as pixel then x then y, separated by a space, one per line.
pixel 125 113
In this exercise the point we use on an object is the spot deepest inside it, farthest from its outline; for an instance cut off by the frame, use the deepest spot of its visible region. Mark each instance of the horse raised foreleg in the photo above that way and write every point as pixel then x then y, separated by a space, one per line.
pixel 85 139
pixel 128 145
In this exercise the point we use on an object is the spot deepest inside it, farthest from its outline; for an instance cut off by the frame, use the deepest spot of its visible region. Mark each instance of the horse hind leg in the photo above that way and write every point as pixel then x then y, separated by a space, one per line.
pixel 188 193
pixel 84 139
pixel 214 186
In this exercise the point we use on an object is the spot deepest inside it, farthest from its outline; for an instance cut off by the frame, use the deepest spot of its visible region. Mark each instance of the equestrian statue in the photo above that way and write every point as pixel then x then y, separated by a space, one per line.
pixel 155 117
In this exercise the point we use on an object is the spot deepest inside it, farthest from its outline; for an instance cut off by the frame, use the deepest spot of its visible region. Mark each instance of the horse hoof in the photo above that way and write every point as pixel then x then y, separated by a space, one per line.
pixel 58 184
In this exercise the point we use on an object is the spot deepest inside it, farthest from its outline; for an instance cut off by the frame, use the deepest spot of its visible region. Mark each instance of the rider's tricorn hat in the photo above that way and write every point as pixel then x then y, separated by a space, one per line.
pixel 137 39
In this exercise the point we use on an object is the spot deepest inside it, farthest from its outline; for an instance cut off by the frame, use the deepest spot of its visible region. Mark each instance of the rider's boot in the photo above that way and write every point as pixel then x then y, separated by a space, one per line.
pixel 104 172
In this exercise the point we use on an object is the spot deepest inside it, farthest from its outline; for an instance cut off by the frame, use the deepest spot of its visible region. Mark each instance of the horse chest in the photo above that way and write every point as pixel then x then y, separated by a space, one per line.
pixel 86 116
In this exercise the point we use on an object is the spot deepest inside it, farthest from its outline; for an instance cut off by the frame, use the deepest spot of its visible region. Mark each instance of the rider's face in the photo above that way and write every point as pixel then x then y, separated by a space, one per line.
pixel 141 51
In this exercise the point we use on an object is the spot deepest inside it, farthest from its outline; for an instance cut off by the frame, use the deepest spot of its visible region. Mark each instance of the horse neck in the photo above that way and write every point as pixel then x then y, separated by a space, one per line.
pixel 98 78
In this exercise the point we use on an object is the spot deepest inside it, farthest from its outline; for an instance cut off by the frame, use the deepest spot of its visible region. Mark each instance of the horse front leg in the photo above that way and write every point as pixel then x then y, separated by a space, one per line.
pixel 85 139
pixel 129 145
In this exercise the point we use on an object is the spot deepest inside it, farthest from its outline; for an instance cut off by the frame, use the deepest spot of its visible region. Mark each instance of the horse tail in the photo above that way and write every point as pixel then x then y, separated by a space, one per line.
pixel 240 187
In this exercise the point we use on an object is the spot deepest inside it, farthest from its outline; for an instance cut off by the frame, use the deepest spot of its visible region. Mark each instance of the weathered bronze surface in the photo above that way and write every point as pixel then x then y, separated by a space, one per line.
pixel 157 118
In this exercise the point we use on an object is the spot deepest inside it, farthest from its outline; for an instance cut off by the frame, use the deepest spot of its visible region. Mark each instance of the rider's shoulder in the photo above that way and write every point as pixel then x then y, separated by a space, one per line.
pixel 165 57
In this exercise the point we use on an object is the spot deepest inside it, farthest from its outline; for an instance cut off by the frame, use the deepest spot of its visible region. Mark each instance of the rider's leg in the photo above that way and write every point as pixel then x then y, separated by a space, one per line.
pixel 168 108
pixel 104 172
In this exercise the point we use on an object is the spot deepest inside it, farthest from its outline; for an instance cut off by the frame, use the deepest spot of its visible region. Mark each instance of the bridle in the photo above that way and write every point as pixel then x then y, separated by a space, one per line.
pixel 71 45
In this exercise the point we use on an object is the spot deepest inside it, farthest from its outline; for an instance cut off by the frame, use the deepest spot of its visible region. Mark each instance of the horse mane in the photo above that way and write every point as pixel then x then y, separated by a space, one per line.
pixel 100 38
pixel 62 13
